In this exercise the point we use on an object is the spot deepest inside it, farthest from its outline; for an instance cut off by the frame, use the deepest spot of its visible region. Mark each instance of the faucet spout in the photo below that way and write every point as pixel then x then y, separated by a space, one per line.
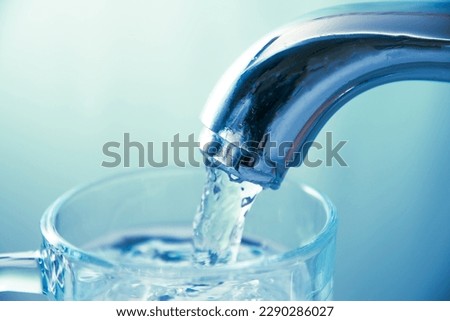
pixel 267 109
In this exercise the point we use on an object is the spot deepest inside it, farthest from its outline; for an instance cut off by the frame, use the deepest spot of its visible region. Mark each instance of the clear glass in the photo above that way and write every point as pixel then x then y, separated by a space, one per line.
pixel 298 219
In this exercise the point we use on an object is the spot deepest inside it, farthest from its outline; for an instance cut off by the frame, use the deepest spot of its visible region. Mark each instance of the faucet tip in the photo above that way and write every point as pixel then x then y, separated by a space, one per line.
pixel 240 161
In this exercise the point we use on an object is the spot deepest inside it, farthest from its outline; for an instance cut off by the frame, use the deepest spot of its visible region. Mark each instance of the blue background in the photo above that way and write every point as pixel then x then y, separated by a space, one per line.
pixel 76 75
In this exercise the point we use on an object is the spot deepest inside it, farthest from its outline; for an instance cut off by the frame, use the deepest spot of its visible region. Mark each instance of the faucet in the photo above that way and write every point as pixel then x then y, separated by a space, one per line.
pixel 263 114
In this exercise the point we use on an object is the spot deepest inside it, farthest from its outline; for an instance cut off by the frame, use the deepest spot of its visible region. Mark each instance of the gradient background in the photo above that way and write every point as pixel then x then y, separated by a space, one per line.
pixel 76 75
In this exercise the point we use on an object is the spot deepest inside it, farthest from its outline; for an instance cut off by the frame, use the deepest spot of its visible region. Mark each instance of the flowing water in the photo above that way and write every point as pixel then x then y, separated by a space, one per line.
pixel 216 240
pixel 219 222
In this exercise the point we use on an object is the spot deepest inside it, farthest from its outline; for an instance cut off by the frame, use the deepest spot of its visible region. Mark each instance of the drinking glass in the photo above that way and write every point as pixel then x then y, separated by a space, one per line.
pixel 296 221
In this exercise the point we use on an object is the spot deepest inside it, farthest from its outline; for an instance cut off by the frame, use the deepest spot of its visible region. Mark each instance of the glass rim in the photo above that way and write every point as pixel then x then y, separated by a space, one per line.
pixel 52 237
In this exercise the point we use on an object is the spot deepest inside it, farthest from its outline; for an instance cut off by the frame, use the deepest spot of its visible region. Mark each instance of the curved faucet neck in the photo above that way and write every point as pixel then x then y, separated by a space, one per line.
pixel 262 118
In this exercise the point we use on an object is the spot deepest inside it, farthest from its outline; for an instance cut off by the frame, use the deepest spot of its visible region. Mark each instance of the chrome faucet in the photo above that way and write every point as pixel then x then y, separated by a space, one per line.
pixel 268 107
